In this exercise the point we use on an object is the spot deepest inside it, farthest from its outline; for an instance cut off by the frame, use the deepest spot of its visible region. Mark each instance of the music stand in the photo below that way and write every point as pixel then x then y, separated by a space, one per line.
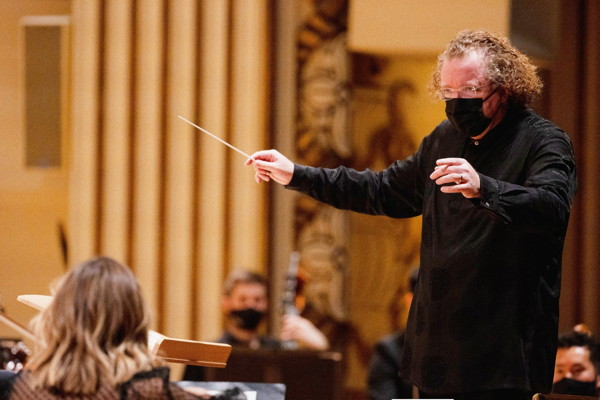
pixel 306 374
pixel 265 391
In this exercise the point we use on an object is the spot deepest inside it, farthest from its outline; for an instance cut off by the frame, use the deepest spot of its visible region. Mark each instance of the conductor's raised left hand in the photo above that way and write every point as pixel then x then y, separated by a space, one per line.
pixel 456 175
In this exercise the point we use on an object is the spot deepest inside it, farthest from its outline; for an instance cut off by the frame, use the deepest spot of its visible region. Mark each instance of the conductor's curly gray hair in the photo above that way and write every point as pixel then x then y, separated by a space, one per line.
pixel 506 66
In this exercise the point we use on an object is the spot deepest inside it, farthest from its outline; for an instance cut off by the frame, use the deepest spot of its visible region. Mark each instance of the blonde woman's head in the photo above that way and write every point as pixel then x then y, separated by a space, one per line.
pixel 94 332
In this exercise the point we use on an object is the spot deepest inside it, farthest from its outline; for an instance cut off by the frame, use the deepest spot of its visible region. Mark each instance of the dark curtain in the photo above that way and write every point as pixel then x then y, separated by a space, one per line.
pixel 575 106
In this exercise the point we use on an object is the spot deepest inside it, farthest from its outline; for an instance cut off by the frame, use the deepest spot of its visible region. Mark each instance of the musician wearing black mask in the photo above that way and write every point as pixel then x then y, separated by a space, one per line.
pixel 244 302
pixel 577 368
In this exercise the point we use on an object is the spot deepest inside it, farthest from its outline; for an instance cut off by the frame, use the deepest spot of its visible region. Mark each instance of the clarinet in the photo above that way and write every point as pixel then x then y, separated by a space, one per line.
pixel 289 294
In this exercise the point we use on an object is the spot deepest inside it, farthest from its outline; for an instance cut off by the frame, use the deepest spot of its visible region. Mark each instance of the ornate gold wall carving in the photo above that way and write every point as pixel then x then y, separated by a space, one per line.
pixel 355 110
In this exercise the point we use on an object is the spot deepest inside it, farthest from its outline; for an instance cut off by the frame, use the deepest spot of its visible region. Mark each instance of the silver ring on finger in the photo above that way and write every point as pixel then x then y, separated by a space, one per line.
pixel 459 180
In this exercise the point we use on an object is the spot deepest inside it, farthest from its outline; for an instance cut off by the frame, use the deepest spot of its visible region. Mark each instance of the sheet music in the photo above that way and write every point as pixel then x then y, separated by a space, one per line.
pixel 250 395
pixel 154 339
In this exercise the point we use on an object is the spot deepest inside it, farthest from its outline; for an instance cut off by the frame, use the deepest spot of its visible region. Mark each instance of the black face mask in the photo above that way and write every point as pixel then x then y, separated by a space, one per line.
pixel 467 115
pixel 247 319
pixel 571 386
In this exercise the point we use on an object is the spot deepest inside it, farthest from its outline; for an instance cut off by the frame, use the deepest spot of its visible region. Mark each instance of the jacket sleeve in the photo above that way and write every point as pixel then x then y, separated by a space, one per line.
pixel 394 192
pixel 543 202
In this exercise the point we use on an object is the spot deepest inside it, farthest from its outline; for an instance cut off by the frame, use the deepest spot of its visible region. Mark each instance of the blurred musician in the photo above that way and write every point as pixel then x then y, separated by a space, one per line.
pixel 244 302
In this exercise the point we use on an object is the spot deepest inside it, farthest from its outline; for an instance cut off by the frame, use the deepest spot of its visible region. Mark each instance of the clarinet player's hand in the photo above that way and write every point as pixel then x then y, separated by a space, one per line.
pixel 304 332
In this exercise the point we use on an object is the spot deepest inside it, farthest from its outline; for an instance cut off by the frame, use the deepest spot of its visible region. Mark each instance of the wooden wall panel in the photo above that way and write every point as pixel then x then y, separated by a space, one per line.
pixel 83 191
pixel 179 147
pixel 588 170
pixel 33 198
pixel 148 189
pixel 115 135
pixel 147 148
pixel 213 89
pixel 249 91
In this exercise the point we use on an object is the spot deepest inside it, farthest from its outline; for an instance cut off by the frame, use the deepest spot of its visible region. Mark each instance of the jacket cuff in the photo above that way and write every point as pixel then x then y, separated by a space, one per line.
pixel 301 177
pixel 490 193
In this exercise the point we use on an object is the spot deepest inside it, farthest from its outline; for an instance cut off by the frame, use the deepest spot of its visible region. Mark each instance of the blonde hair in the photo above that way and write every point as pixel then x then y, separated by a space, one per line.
pixel 94 332
pixel 506 66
